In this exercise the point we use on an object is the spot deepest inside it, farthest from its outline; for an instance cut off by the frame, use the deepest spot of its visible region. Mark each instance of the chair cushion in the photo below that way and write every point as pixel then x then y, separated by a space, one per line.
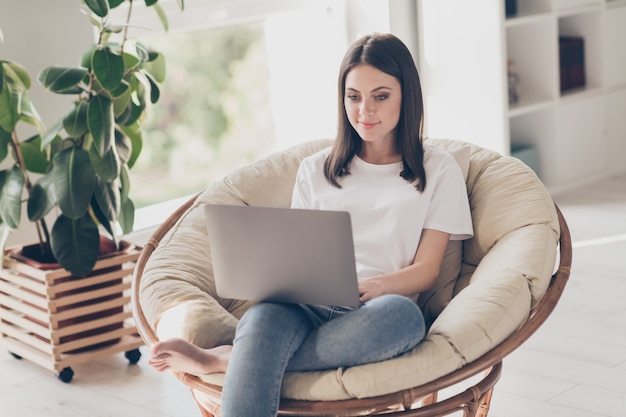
pixel 505 270
pixel 434 300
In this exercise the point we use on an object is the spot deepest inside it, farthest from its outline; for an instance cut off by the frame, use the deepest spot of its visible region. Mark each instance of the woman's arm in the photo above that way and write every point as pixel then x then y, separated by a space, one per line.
pixel 417 277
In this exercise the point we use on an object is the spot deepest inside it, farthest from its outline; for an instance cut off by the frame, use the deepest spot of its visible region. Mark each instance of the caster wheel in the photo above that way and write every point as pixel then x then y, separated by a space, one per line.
pixel 66 375
pixel 15 355
pixel 133 356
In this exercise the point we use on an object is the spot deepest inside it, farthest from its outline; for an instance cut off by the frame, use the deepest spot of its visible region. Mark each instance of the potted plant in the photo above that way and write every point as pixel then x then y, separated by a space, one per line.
pixel 84 158
pixel 76 172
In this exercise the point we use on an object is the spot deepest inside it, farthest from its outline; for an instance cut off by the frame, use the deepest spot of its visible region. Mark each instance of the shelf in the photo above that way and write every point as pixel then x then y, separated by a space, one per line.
pixel 526 8
pixel 566 7
pixel 580 94
pixel 528 106
pixel 588 26
pixel 536 67
pixel 525 19
pixel 575 134
pixel 536 131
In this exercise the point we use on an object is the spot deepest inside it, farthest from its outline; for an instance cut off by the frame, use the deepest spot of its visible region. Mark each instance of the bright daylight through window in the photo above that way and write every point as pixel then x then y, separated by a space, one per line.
pixel 236 90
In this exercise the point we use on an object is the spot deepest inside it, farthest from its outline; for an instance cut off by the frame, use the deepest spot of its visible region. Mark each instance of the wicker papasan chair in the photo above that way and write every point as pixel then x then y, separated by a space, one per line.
pixel 495 290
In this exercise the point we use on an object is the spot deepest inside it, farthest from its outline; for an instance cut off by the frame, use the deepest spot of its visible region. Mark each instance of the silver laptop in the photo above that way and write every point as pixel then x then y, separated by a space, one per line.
pixel 282 254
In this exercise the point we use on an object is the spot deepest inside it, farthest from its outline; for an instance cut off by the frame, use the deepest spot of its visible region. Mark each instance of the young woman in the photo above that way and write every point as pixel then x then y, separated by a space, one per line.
pixel 406 201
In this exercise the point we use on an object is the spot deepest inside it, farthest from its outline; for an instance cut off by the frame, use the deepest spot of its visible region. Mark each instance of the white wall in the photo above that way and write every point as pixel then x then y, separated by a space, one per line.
pixel 38 34
pixel 396 16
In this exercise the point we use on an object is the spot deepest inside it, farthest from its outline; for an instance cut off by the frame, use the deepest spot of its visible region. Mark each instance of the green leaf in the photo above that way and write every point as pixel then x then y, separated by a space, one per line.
pixel 127 216
pixel 124 183
pixel 35 159
pixel 101 123
pixel 62 80
pixel 42 198
pixel 108 166
pixel 121 102
pixel 5 139
pixel 75 121
pixel 101 218
pixel 142 52
pixel 10 100
pixel 114 3
pixel 52 135
pixel 11 197
pixel 122 90
pixel 85 60
pixel 63 144
pixel 5 230
pixel 124 146
pixel 181 4
pixel 139 84
pixel 131 114
pixel 29 114
pixel 99 7
pixel 74 181
pixel 3 177
pixel 95 21
pixel 157 67
pixel 75 244
pixel 162 16
pixel 133 132
pixel 130 61
pixel 107 195
pixel 20 72
pixel 1 76
pixel 155 92
pixel 151 2
pixel 108 67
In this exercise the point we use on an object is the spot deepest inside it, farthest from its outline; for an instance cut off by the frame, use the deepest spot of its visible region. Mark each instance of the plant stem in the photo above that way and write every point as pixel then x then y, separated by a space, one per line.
pixel 130 11
pixel 41 226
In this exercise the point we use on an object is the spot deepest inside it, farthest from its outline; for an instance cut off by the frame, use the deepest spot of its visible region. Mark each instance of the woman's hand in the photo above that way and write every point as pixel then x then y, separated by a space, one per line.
pixel 371 288
pixel 415 278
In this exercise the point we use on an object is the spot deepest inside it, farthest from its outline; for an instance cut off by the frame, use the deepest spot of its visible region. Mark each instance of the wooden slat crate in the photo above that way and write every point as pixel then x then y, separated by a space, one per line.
pixel 56 320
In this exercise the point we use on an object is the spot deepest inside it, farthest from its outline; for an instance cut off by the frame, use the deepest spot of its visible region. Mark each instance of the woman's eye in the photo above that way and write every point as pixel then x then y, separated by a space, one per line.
pixel 381 97
pixel 352 97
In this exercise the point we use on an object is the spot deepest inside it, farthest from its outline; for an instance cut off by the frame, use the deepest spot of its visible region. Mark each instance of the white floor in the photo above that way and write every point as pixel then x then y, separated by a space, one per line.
pixel 575 366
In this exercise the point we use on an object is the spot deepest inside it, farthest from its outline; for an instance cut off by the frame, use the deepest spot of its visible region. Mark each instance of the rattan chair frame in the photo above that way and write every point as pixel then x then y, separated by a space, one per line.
pixel 419 401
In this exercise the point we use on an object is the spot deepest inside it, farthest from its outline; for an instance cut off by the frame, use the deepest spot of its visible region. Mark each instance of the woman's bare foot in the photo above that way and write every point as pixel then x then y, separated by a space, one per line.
pixel 180 355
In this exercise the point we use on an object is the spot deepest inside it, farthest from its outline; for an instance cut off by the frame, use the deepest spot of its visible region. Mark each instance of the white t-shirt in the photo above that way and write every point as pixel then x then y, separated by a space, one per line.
pixel 387 212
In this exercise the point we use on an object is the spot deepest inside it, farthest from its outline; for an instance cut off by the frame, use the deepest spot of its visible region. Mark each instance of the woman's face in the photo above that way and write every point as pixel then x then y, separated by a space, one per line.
pixel 373 100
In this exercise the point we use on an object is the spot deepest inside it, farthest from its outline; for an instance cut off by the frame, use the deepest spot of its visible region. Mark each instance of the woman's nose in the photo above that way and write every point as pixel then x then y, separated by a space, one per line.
pixel 367 107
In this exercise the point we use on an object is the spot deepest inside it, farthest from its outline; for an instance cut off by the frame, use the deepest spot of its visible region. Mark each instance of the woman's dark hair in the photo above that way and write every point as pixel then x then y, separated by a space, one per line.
pixel 388 54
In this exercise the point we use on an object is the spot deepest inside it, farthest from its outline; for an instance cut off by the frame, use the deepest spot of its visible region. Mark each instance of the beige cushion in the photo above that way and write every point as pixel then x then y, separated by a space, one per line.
pixel 506 268
pixel 433 301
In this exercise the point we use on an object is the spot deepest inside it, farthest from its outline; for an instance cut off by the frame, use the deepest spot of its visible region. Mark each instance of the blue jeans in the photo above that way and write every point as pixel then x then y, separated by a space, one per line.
pixel 273 338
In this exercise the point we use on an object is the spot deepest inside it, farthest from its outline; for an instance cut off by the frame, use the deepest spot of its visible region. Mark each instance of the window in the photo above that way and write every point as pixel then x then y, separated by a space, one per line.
pixel 241 83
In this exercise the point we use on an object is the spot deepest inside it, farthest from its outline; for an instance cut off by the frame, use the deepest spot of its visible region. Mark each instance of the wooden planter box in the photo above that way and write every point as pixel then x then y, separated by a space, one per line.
pixel 57 320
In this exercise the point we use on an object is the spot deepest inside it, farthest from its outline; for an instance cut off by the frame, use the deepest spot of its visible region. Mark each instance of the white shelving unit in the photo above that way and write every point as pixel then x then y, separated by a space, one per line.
pixel 465 50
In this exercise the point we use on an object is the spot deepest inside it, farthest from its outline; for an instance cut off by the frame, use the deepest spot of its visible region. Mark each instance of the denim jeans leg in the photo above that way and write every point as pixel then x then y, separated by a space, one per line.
pixel 267 336
pixel 382 328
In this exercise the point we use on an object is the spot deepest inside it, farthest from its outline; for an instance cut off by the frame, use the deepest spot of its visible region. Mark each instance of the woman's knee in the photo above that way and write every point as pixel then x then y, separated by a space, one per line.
pixel 260 313
pixel 395 302
pixel 266 317
pixel 398 308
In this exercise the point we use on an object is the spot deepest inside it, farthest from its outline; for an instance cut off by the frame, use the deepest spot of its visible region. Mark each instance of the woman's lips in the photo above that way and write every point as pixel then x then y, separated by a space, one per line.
pixel 368 125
